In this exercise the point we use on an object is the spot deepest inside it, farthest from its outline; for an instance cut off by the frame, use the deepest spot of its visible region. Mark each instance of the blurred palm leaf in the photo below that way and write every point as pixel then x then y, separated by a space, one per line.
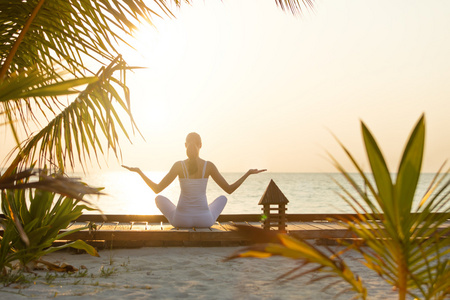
pixel 295 6
pixel 397 250
pixel 69 187
pixel 403 244
pixel 280 244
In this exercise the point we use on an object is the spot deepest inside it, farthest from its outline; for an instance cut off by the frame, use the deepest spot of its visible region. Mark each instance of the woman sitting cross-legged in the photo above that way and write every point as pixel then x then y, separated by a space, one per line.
pixel 193 209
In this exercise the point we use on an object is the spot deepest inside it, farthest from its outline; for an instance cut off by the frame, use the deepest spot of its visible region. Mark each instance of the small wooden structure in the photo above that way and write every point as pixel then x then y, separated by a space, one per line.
pixel 274 208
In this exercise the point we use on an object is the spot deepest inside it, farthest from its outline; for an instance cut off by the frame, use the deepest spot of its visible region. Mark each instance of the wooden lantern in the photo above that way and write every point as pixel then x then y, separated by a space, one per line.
pixel 274 208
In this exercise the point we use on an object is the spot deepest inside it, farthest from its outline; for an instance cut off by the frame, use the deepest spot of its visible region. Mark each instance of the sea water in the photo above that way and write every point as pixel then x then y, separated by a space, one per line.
pixel 126 193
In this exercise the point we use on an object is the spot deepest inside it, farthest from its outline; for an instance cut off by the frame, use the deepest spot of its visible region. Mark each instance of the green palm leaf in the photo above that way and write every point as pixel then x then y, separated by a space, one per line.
pixel 380 172
pixel 78 244
pixel 409 169
pixel 331 265
pixel 407 249
pixel 82 29
pixel 92 110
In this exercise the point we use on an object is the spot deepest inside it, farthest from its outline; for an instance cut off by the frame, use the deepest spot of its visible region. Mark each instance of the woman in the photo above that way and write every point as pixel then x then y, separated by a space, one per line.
pixel 193 209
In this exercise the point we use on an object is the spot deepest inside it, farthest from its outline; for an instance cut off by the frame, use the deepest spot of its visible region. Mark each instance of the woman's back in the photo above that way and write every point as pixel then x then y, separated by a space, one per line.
pixel 192 199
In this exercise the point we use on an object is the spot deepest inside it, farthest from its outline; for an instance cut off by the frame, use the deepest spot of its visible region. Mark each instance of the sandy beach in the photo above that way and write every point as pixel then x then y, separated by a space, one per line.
pixel 182 272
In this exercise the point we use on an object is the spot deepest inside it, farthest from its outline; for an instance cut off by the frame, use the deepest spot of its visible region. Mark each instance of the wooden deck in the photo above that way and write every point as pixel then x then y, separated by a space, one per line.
pixel 127 231
pixel 131 231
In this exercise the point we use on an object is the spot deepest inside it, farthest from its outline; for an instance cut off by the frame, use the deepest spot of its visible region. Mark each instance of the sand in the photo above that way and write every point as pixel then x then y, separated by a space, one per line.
pixel 182 272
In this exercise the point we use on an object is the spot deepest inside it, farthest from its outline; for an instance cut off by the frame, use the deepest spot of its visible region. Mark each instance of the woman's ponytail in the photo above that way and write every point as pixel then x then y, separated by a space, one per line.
pixel 193 145
pixel 192 162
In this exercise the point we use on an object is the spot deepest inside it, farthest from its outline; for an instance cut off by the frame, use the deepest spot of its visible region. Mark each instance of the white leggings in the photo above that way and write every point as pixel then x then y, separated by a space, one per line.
pixel 202 219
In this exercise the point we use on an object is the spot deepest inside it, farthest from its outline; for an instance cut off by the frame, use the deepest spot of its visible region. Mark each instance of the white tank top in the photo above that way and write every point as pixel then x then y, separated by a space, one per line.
pixel 193 193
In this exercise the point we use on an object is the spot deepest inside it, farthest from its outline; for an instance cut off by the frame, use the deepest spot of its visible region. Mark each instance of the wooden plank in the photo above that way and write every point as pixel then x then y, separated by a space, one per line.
pixel 78 225
pixel 198 229
pixel 123 218
pixel 312 230
pixel 322 225
pixel 215 236
pixel 222 226
pixel 134 235
pixel 227 226
pixel 123 227
pixel 254 224
pixel 139 226
pixel 154 226
pixel 98 226
pixel 307 226
pixel 222 218
pixel 168 227
pixel 321 234
pixel 232 223
pixel 293 226
pixel 161 218
pixel 108 226
pixel 217 228
pixel 336 226
pixel 71 223
pixel 177 235
pixel 317 225
pixel 239 218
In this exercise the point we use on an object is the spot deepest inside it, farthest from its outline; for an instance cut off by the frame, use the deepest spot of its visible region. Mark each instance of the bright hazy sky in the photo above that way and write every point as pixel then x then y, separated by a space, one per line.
pixel 264 89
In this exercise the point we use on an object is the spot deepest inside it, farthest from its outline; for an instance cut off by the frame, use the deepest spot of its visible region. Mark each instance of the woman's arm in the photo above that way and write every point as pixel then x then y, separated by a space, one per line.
pixel 157 187
pixel 230 188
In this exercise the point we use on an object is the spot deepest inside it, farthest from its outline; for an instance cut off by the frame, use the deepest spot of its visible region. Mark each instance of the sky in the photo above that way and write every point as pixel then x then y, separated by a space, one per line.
pixel 266 89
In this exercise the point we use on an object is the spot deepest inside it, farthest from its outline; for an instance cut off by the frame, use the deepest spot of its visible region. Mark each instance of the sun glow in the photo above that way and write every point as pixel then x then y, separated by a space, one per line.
pixel 159 48
pixel 126 193
pixel 216 70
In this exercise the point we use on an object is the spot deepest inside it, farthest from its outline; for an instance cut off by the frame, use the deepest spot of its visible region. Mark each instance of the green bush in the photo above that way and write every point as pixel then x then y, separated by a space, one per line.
pixel 33 220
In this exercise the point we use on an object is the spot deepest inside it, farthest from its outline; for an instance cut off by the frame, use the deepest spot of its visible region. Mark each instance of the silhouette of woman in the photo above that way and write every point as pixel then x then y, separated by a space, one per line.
pixel 192 209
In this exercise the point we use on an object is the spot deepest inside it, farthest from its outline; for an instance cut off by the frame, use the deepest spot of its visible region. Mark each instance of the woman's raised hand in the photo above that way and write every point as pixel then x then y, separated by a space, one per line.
pixel 131 169
pixel 255 171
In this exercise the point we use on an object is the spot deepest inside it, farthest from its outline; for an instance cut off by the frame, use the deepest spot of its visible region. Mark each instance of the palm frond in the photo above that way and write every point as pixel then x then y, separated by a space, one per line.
pixel 409 250
pixel 70 187
pixel 296 7
pixel 31 84
pixel 75 130
pixel 329 263
pixel 405 247
pixel 64 33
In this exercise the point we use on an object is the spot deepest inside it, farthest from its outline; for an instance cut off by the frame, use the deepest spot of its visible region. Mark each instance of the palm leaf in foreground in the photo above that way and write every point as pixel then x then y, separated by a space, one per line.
pixel 402 244
pixel 406 247
pixel 331 264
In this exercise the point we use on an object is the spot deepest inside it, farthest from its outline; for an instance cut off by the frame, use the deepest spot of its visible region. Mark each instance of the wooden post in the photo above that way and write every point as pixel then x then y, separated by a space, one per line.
pixel 274 196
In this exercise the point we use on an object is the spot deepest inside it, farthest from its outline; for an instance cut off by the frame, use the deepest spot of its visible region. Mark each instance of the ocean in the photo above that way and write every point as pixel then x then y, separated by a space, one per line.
pixel 126 193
